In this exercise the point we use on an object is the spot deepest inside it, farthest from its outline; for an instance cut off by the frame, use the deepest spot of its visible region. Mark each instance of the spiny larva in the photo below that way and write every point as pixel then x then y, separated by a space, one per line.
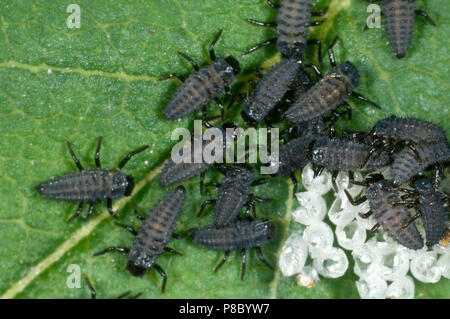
pixel 270 89
pixel 202 86
pixel 329 93
pixel 399 20
pixel 432 208
pixel 292 28
pixel 240 235
pixel 92 185
pixel 390 213
pixel 234 194
pixel 151 239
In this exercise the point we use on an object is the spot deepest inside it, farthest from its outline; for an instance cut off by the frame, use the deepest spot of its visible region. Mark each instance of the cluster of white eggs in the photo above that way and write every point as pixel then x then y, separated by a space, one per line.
pixel 383 266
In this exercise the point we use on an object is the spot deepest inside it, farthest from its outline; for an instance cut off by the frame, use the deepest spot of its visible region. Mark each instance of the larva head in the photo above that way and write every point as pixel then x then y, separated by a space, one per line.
pixel 135 270
pixel 264 229
pixel 376 190
pixel 41 188
pixel 384 126
pixel 269 228
pixel 424 184
pixel 121 185
pixel 317 155
pixel 250 116
pixel 236 68
pixel 291 49
pixel 401 54
pixel 319 152
pixel 228 68
pixel 314 128
pixel 243 172
pixel 349 70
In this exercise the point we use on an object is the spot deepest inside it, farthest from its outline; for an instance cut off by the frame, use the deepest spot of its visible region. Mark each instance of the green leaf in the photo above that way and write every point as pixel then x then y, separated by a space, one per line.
pixel 61 84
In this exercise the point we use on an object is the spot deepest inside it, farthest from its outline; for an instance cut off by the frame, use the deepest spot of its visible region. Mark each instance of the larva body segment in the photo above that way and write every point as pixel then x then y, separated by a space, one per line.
pixel 173 173
pixel 406 164
pixel 294 155
pixel 409 129
pixel 346 155
pixel 301 84
pixel 314 128
pixel 239 235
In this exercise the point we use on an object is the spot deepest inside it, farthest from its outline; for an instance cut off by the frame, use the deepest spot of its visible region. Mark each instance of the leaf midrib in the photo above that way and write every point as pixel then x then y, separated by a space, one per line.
pixel 43 67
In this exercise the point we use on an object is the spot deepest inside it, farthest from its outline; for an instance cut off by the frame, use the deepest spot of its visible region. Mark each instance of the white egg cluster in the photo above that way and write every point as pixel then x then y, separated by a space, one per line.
pixel 381 264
